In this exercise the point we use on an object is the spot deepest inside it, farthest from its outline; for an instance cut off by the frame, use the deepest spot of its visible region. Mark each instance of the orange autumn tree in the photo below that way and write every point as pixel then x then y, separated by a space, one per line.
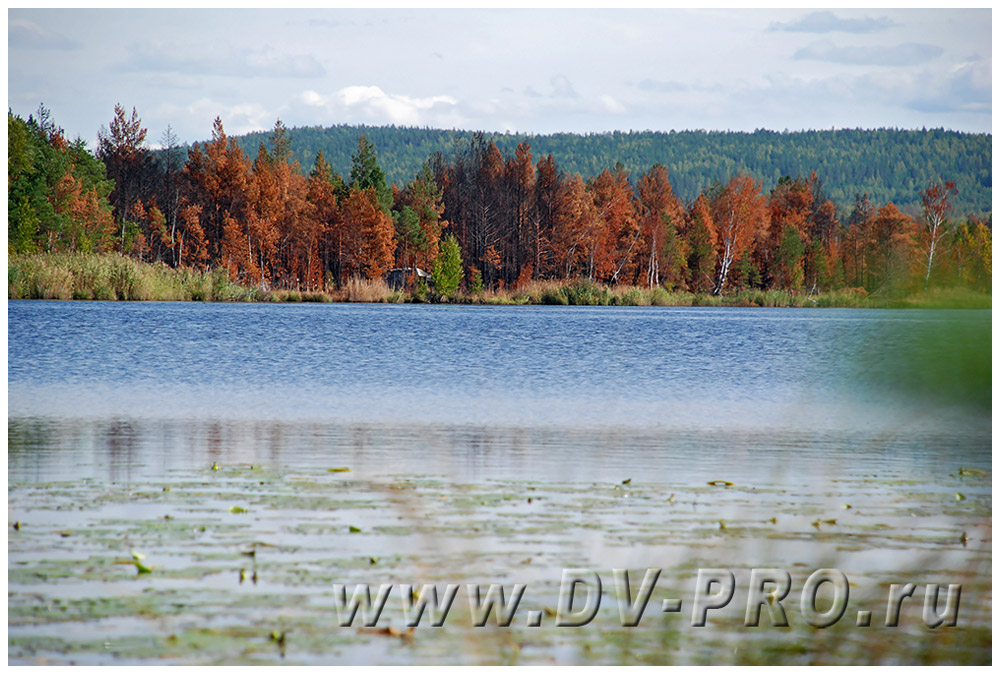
pixel 781 252
pixel 219 180
pixel 487 211
pixel 367 228
pixel 660 216
pixel 618 232
pixel 301 233
pixel 740 215
pixel 577 238
pixel 87 221
pixel 546 219
pixel 892 258
pixel 189 239
pixel 369 245
pixel 519 184
pixel 298 231
pixel 282 228
pixel 322 194
pixel 266 203
pixel 823 268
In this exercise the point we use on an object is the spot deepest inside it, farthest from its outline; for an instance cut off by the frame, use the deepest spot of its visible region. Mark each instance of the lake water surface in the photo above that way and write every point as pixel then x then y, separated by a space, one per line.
pixel 485 444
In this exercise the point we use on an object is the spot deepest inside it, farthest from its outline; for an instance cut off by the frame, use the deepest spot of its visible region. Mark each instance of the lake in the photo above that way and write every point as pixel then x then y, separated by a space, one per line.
pixel 489 445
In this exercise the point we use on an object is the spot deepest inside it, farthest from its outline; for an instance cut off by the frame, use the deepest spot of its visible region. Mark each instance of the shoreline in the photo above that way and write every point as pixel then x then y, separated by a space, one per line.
pixel 109 277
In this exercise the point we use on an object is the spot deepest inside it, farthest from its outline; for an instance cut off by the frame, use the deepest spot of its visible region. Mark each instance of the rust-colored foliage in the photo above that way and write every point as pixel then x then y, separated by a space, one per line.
pixel 549 190
pixel 790 207
pixel 660 217
pixel 615 238
pixel 269 223
pixel 892 247
pixel 740 215
pixel 218 180
pixel 368 236
pixel 322 194
pixel 190 240
pixel 282 226
pixel 519 244
pixel 823 269
pixel 577 231
pixel 702 240
pixel 87 225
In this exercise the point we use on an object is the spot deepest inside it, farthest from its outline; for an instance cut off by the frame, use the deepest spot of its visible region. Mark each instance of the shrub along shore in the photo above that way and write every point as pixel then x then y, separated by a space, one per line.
pixel 73 276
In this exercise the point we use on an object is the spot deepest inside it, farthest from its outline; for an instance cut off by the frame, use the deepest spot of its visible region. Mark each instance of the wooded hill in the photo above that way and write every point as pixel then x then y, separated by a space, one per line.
pixel 890 165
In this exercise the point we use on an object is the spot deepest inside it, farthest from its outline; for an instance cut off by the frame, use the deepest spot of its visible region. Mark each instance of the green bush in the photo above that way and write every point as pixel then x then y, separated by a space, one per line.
pixel 631 297
pixel 447 273
pixel 554 296
pixel 586 293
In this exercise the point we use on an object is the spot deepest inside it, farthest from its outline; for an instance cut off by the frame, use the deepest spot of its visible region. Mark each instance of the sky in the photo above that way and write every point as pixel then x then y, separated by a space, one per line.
pixel 538 71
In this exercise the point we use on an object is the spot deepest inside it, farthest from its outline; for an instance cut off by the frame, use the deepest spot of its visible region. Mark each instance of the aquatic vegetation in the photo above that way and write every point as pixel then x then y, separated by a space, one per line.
pixel 259 591
pixel 247 524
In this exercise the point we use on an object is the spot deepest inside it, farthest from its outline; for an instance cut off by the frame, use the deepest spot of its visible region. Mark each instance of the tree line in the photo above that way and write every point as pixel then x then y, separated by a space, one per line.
pixel 887 164
pixel 476 215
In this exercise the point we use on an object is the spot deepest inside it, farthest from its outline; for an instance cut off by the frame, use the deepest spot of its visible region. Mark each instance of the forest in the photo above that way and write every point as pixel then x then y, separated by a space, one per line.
pixel 480 216
pixel 886 164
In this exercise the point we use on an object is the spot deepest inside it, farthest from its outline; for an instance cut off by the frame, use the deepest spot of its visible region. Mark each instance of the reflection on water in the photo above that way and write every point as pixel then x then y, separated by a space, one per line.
pixel 128 450
pixel 486 444
pixel 482 391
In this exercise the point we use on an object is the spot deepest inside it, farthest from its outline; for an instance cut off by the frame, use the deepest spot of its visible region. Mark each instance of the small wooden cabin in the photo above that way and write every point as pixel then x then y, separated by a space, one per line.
pixel 406 278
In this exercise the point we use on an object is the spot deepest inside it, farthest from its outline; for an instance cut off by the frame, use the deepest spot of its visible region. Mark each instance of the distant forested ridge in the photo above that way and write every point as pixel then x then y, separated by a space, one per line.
pixel 889 165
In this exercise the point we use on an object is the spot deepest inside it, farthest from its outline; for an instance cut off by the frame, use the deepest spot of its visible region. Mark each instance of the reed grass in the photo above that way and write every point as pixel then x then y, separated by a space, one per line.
pixel 78 276
pixel 368 290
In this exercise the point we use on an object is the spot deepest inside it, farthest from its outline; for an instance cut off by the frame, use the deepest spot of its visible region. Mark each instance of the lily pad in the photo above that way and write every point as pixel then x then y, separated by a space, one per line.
pixel 137 558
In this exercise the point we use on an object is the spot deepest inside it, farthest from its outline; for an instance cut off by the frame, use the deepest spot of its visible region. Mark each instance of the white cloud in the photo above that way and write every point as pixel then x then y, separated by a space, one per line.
pixel 197 117
pixel 612 106
pixel 599 70
pixel 373 104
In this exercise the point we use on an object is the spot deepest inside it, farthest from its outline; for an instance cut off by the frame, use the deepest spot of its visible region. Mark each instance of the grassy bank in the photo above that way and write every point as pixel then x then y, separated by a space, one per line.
pixel 112 277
